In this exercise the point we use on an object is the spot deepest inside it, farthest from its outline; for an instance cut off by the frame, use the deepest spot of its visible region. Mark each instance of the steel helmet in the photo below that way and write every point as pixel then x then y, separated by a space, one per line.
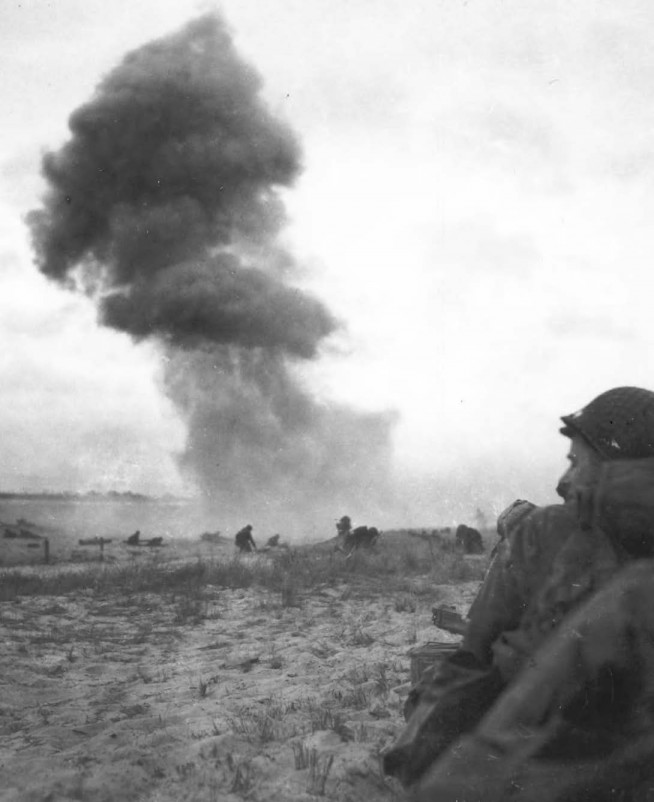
pixel 618 424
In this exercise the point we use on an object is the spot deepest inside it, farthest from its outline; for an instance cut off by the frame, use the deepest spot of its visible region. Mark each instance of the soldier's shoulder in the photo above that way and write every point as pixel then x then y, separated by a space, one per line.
pixel 544 529
pixel 523 514
pixel 554 514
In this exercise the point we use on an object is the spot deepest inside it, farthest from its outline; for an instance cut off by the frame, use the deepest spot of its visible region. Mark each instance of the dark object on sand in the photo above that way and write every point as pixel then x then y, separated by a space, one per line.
pixel 425 656
pixel 469 540
pixel 448 619
pixel 135 540
pixel 363 537
pixel 94 541
pixel 20 533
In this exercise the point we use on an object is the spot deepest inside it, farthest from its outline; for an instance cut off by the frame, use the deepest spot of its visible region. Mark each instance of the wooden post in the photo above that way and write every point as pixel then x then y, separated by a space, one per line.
pixel 46 550
pixel 101 549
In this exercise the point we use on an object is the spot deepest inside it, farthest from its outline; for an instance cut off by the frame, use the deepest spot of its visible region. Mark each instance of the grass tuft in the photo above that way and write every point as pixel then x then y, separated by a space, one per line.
pixel 319 768
pixel 301 755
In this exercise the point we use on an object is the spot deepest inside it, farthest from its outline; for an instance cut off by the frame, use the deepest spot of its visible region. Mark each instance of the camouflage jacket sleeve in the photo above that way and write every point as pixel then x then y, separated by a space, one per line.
pixel 518 569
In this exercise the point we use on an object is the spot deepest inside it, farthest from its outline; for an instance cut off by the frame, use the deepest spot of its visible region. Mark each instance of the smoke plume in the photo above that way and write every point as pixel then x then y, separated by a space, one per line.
pixel 164 206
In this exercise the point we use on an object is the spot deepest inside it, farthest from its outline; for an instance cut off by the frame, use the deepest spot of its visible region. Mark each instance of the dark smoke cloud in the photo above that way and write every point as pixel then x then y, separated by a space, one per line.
pixel 174 157
pixel 256 309
pixel 164 206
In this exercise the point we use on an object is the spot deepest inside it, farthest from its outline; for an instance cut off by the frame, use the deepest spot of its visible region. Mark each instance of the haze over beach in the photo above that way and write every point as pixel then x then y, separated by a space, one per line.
pixel 345 257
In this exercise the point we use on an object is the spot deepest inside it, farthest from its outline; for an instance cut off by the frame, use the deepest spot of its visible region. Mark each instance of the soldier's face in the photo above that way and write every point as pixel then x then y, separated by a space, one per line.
pixel 582 471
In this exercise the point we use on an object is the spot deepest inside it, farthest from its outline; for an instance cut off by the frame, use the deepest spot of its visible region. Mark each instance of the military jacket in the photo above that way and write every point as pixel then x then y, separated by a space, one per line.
pixel 557 556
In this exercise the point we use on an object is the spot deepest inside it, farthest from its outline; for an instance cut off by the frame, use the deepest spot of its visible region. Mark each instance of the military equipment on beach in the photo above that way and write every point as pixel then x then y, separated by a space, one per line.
pixel 426 655
pixel 448 619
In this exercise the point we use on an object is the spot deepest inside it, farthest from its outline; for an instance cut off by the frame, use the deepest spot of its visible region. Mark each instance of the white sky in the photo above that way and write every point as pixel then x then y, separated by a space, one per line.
pixel 476 204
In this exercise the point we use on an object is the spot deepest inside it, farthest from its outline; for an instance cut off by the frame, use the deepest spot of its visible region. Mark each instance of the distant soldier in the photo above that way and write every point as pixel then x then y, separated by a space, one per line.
pixel 133 540
pixel 344 526
pixel 469 540
pixel 273 541
pixel 244 540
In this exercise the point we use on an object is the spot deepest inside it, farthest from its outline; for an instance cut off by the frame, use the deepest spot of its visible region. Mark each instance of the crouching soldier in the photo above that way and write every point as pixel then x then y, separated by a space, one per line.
pixel 551 695
pixel 469 540
pixel 244 540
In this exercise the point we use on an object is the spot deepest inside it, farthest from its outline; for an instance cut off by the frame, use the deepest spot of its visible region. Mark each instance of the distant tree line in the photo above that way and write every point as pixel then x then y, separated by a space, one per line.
pixel 92 495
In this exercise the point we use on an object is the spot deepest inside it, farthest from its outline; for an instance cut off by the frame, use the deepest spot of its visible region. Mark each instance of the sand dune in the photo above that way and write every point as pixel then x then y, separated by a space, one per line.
pixel 217 695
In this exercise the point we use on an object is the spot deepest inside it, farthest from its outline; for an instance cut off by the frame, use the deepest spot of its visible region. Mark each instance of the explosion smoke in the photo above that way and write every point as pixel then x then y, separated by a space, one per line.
pixel 164 206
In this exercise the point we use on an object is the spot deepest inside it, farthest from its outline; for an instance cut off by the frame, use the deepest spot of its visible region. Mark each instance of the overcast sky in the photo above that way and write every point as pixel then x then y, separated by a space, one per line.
pixel 475 205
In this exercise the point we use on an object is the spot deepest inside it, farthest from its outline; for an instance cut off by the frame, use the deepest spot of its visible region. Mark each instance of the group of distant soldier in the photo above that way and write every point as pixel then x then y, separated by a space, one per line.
pixel 135 540
pixel 351 538
pixel 466 539
pixel 245 542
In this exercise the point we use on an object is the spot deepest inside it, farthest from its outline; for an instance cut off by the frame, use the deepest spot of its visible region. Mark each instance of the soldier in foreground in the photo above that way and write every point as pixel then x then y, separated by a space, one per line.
pixel 551 695
pixel 244 540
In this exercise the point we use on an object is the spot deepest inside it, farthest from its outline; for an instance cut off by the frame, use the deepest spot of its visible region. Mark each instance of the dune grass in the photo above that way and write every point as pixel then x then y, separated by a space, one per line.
pixel 288 571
